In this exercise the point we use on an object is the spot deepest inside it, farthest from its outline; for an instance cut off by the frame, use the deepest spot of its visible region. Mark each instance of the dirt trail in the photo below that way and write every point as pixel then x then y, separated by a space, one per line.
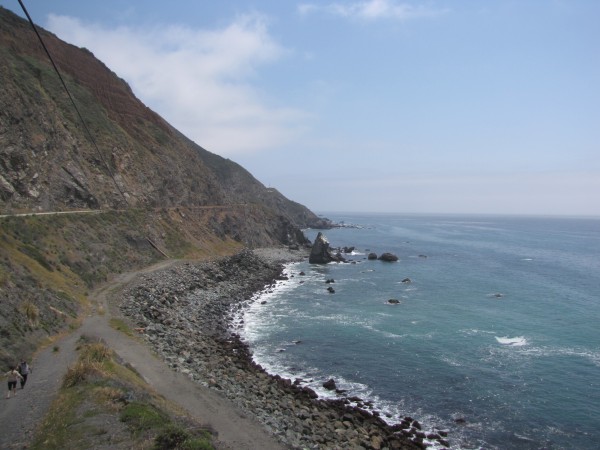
pixel 20 415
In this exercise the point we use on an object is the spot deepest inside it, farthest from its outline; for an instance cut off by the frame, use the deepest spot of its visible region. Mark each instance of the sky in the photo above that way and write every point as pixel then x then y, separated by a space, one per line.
pixel 464 106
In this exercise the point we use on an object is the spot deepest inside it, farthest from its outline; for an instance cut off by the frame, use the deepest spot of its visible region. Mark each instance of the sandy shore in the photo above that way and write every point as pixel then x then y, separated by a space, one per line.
pixel 185 313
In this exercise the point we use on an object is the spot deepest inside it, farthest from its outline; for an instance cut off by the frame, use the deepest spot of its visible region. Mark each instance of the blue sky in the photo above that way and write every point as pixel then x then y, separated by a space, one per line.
pixel 374 105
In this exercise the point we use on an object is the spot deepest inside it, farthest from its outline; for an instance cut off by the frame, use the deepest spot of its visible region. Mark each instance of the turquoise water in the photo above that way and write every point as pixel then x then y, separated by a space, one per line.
pixel 497 328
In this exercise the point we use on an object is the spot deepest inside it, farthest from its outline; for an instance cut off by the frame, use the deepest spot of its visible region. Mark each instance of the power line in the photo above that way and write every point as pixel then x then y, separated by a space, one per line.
pixel 87 130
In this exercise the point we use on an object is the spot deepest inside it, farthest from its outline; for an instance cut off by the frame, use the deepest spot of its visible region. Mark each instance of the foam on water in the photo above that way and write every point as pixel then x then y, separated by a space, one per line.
pixel 512 341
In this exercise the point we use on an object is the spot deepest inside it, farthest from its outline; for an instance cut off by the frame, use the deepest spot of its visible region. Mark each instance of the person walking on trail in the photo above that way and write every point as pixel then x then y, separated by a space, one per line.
pixel 13 375
pixel 24 370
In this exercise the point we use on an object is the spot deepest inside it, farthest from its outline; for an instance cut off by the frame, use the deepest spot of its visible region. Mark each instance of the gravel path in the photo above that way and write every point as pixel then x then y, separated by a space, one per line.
pixel 20 415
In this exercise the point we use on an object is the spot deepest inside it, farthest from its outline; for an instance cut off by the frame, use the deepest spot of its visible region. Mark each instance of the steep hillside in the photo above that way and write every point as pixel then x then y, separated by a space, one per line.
pixel 146 191
pixel 49 163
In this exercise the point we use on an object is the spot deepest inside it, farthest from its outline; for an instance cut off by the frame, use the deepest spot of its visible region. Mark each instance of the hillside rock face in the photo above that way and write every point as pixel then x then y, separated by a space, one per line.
pixel 147 192
pixel 48 162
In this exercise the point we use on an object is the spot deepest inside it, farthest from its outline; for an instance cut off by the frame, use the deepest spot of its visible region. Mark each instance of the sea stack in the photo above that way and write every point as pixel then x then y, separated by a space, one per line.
pixel 321 253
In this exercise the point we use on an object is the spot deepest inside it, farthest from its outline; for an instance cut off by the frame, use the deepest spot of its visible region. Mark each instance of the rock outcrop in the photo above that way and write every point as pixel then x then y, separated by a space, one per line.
pixel 321 253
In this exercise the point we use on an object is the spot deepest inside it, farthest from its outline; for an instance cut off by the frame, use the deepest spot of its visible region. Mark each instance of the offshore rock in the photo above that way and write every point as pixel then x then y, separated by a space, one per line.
pixel 390 257
pixel 330 384
pixel 321 253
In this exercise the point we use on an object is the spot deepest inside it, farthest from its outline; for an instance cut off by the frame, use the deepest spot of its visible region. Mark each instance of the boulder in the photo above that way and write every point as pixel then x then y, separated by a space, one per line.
pixel 330 384
pixel 376 442
pixel 407 280
pixel 390 257
pixel 372 256
pixel 320 252
pixel 393 301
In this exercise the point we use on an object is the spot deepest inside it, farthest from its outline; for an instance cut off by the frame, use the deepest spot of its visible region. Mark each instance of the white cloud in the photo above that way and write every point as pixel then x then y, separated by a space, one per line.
pixel 202 81
pixel 371 10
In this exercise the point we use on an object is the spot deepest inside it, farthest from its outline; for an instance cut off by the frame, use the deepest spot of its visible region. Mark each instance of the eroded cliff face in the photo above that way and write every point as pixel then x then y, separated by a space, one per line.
pixel 155 194
pixel 133 156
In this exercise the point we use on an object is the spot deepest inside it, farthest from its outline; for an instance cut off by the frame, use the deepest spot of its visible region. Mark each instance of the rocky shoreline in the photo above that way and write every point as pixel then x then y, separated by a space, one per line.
pixel 186 314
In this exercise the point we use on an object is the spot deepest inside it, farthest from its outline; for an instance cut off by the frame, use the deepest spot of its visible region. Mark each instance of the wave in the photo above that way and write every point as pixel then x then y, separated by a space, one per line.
pixel 518 341
pixel 474 331
pixel 593 356
pixel 391 412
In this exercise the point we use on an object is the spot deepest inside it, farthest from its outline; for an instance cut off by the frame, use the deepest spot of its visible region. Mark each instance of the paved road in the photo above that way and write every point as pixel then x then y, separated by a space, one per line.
pixel 100 211
pixel 19 415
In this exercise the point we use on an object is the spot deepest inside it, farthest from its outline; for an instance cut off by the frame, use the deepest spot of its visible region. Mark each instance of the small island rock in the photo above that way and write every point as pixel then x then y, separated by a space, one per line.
pixel 390 257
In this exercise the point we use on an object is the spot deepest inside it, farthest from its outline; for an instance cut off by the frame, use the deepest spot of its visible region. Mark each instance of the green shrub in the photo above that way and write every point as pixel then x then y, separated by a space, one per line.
pixel 175 437
pixel 197 444
pixel 141 416
pixel 171 437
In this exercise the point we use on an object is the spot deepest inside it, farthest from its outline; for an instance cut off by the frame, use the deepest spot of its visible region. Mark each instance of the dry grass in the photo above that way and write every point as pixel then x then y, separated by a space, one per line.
pixel 108 397
pixel 104 404
pixel 80 372
pixel 31 311
pixel 95 353
pixel 90 364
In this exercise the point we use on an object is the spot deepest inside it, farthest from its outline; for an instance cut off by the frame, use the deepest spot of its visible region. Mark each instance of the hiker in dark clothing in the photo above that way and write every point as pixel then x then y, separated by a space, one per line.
pixel 24 370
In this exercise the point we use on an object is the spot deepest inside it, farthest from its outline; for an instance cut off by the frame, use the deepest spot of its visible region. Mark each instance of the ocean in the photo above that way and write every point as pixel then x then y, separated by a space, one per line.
pixel 494 339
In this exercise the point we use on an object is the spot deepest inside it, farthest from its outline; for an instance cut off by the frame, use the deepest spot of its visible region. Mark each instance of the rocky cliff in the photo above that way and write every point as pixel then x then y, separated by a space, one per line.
pixel 146 191
pixel 49 162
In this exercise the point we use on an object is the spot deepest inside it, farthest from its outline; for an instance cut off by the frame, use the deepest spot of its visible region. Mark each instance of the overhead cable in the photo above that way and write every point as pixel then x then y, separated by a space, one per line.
pixel 87 130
